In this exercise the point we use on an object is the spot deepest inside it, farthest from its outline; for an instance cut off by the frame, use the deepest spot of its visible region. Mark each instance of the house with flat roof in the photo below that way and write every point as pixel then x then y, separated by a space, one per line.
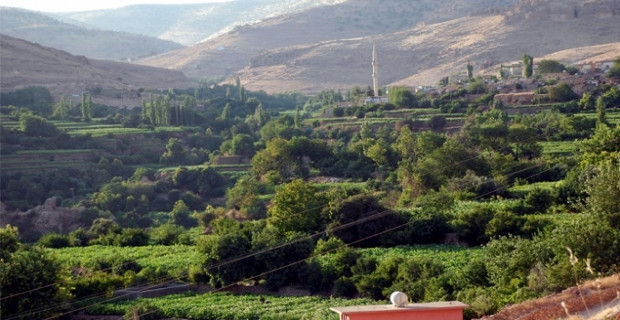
pixel 403 310
pixel 445 310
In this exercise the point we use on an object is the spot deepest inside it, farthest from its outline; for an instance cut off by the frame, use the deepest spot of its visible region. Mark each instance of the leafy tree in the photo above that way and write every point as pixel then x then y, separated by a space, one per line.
pixel 604 190
pixel 54 240
pixel 260 115
pixel 227 112
pixel 615 69
pixel 221 252
pixel 611 98
pixel 437 122
pixel 34 125
pixel 550 66
pixel 604 141
pixel 489 129
pixel 528 66
pixel 243 145
pixel 30 279
pixel 9 241
pixel 402 97
pixel 243 196
pixel 427 142
pixel 61 109
pixel 470 70
pixel 283 160
pixel 406 143
pixel 37 99
pixel 587 101
pixel 87 107
pixel 362 208
pixel 477 86
pixel 180 215
pixel 297 207
pixel 283 251
pixel 562 93
pixel 524 141
pixel 174 152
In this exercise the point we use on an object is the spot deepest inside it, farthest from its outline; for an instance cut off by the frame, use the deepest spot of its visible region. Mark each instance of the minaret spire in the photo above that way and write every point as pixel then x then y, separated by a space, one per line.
pixel 375 72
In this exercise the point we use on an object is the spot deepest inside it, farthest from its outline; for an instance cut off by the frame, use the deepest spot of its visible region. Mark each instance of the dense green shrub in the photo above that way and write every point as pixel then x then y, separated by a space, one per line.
pixel 54 240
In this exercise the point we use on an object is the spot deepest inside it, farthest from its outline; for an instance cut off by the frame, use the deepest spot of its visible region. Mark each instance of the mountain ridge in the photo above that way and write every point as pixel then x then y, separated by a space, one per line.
pixel 79 40
pixel 26 64
pixel 285 53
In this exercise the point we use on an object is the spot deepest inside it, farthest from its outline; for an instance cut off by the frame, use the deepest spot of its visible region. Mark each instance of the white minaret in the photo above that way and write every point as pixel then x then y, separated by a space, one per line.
pixel 375 72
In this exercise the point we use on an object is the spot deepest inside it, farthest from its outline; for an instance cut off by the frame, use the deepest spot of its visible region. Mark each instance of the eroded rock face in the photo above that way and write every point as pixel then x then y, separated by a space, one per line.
pixel 43 219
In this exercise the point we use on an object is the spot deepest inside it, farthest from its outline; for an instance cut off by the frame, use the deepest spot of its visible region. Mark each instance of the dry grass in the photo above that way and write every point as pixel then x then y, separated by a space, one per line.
pixel 550 307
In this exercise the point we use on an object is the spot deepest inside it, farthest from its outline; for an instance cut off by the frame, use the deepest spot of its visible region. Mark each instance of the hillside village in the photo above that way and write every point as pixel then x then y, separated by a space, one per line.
pixel 457 161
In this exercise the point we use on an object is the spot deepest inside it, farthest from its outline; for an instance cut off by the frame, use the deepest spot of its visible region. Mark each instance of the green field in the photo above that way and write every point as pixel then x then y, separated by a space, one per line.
pixel 221 305
pixel 170 259
pixel 224 306
pixel 558 148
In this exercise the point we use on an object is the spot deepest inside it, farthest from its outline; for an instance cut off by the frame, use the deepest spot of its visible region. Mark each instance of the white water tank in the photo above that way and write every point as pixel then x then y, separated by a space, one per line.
pixel 399 299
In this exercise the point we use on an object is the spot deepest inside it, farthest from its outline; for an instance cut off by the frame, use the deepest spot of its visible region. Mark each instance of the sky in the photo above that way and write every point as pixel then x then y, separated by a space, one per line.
pixel 85 5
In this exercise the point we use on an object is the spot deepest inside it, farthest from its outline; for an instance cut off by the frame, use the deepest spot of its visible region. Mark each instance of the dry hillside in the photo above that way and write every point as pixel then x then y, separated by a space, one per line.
pixel 315 50
pixel 79 40
pixel 26 64
pixel 223 55
pixel 593 300
pixel 189 23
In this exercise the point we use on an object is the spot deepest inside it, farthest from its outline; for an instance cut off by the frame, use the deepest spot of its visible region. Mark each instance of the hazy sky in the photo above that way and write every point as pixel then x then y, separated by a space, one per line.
pixel 84 5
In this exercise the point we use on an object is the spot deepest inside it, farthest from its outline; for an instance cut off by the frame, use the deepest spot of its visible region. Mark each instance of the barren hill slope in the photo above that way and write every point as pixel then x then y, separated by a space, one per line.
pixel 25 64
pixel 310 53
pixel 98 44
pixel 232 51
pixel 190 23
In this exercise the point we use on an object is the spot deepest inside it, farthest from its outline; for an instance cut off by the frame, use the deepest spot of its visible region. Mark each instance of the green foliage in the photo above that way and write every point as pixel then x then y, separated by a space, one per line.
pixel 603 189
pixel 550 66
pixel 477 86
pixel 166 234
pixel 54 240
pixel 363 208
pixel 615 69
pixel 174 152
pixel 132 237
pixel 589 237
pixel 242 144
pixel 528 66
pixel 437 122
pixel 244 196
pixel 228 306
pixel 282 160
pixel 87 107
pixel 221 248
pixel 402 97
pixel 9 241
pixel 33 125
pixel 180 215
pixel 587 101
pixel 30 280
pixel 562 93
pixel 282 254
pixel 604 140
pixel 297 207
pixel 538 201
pixel 488 129
pixel 37 99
